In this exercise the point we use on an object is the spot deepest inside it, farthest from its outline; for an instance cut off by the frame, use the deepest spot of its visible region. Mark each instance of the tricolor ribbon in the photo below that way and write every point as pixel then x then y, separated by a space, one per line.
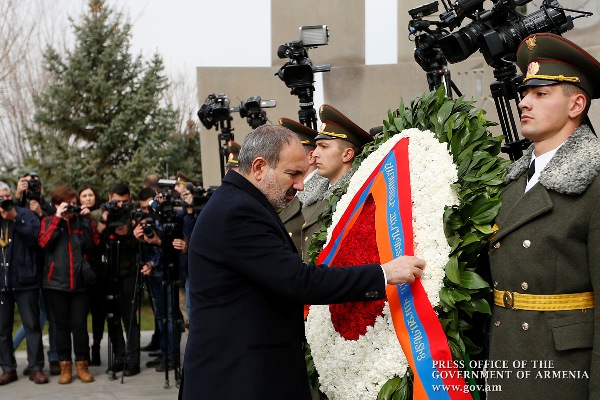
pixel 416 324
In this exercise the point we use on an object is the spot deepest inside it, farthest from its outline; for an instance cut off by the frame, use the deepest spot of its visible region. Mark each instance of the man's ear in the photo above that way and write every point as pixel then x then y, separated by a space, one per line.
pixel 311 159
pixel 578 105
pixel 347 154
pixel 259 168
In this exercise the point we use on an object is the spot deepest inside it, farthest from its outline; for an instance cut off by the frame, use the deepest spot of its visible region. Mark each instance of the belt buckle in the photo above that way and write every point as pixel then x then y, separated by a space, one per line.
pixel 508 298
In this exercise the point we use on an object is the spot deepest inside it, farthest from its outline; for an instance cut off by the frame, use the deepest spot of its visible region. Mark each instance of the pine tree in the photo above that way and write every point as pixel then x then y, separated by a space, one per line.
pixel 103 117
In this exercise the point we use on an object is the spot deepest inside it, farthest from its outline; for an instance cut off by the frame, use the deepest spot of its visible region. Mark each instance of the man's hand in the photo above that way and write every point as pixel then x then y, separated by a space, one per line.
pixel 35 207
pixel 403 269
pixel 22 187
pixel 180 244
pixel 146 269
pixel 138 232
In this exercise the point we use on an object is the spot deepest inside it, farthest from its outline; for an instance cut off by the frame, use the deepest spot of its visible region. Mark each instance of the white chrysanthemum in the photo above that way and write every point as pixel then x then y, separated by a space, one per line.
pixel 357 369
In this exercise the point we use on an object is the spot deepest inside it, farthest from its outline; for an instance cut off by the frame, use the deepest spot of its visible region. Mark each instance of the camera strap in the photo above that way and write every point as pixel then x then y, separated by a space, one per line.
pixel 4 240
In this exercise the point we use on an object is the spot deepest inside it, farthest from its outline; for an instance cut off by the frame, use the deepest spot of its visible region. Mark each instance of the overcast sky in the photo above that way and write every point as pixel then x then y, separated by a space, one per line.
pixel 193 33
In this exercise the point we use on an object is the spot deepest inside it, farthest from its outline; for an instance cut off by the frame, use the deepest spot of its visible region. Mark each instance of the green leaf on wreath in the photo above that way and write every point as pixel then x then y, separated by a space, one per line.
pixel 389 388
pixel 452 271
pixel 472 280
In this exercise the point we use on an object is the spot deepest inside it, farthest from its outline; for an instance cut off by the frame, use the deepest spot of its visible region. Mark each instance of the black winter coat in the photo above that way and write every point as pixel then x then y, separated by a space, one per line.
pixel 18 267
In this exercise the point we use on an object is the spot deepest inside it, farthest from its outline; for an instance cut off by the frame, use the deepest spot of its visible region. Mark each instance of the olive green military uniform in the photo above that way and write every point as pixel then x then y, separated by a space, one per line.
pixel 292 217
pixel 548 244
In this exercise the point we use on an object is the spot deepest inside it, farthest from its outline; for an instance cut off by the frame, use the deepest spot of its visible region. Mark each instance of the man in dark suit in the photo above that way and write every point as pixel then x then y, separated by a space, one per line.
pixel 545 256
pixel 248 285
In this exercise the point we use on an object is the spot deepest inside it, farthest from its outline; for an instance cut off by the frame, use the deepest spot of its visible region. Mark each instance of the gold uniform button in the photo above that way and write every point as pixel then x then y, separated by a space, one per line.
pixel 306 239
pixel 497 245
pixel 497 323
pixel 290 233
pixel 495 284
pixel 525 326
pixel 526 243
pixel 524 285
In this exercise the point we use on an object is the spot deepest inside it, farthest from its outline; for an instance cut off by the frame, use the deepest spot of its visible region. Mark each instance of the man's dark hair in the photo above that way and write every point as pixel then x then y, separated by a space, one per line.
pixel 265 141
pixel 121 189
pixel 146 193
pixel 151 181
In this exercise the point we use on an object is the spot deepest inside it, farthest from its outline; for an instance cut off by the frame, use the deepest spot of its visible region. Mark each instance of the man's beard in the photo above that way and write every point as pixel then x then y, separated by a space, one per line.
pixel 276 195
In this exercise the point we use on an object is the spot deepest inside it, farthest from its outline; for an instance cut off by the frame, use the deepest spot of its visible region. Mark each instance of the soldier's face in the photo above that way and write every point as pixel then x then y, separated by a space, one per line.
pixel 544 112
pixel 329 157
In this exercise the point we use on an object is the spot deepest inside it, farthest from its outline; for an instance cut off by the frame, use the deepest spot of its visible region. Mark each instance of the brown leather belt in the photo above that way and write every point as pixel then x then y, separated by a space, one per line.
pixel 543 302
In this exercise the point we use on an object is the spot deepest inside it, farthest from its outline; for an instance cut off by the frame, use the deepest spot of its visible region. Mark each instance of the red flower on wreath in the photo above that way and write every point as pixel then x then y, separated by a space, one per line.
pixel 359 246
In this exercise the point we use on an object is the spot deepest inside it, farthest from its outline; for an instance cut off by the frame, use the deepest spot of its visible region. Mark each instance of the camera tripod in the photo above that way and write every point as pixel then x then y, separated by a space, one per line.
pixel 306 114
pixel 171 318
pixel 224 137
pixel 116 307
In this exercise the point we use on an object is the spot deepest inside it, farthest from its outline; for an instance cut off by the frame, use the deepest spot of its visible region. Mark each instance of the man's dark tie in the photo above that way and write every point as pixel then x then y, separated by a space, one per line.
pixel 531 170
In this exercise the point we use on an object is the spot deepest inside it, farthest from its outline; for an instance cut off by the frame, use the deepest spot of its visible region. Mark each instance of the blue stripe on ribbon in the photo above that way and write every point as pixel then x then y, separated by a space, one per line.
pixel 394 219
pixel 419 342
pixel 361 200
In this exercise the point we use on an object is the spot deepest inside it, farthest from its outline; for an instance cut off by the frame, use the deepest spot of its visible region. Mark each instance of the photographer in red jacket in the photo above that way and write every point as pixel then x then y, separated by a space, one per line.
pixel 65 237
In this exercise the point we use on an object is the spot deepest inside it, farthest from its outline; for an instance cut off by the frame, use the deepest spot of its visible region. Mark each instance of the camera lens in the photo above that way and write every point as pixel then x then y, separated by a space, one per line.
pixel 460 45
pixel 6 204
pixel 148 230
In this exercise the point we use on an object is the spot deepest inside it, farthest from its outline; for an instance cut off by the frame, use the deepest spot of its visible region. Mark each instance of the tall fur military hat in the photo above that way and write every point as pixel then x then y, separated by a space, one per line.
pixel 548 59
pixel 335 125
pixel 305 134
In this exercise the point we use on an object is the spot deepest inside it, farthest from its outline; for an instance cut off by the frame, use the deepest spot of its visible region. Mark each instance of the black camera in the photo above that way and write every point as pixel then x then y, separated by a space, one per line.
pixel 73 209
pixel 6 204
pixel 114 207
pixel 34 187
pixel 138 215
pixel 253 111
pixel 148 227
pixel 299 70
pixel 118 215
pixel 498 31
pixel 214 110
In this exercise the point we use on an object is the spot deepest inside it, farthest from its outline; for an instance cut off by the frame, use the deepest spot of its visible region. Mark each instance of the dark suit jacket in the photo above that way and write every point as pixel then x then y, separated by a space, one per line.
pixel 247 290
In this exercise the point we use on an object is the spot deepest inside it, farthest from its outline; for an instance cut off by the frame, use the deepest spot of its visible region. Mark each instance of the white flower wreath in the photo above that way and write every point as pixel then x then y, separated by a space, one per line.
pixel 357 369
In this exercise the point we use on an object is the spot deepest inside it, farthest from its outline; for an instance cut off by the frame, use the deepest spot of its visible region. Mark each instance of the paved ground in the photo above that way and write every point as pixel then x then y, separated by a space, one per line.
pixel 148 385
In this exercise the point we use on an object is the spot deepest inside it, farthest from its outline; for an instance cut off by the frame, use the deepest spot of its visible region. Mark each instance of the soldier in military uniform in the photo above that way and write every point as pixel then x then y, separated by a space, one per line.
pixel 545 256
pixel 314 184
pixel 338 142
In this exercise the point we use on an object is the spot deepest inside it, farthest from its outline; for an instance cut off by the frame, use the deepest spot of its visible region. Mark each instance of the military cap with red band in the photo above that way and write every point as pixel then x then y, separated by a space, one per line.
pixel 335 125
pixel 305 134
pixel 548 59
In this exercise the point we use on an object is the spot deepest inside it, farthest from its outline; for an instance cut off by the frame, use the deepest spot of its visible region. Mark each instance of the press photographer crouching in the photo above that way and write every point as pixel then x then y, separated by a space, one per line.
pixel 120 249
pixel 156 229
pixel 20 285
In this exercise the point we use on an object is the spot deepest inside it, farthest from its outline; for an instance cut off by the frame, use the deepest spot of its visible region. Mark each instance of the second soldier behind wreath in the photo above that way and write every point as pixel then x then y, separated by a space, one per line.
pixel 339 141
pixel 314 186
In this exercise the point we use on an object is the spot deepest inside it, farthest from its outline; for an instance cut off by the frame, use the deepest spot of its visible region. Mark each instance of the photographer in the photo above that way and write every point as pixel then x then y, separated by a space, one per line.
pixel 113 222
pixel 29 194
pixel 20 283
pixel 149 232
pixel 65 237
